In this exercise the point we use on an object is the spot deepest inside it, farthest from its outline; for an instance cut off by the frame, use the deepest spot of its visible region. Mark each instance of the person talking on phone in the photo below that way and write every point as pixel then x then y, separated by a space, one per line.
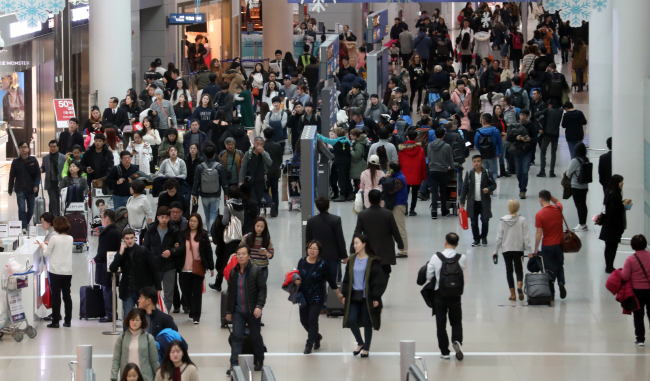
pixel 522 137
pixel 98 159
pixel 260 244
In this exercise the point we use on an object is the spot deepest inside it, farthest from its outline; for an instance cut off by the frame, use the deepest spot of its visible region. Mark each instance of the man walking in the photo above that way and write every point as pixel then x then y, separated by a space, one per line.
pixel 523 138
pixel 209 178
pixel 489 143
pixel 326 228
pixel 24 178
pixel 109 240
pixel 441 161
pixel 477 188
pixel 52 166
pixel 550 119
pixel 396 196
pixel 274 172
pixel 253 169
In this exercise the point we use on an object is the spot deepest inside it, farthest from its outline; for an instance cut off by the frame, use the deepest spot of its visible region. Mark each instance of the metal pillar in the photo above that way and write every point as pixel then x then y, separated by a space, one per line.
pixel 246 363
pixel 114 301
pixel 267 374
pixel 308 173
pixel 84 362
pixel 62 70
pixel 406 357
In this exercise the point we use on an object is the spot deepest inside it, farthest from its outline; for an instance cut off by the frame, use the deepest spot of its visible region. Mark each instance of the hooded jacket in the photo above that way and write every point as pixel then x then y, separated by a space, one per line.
pixel 512 235
pixel 524 95
pixel 486 106
pixel 421 44
pixel 573 121
pixel 374 111
pixel 358 100
pixel 164 146
pixel 440 156
pixel 413 162
pixel 156 246
pixel 496 138
pixel 359 162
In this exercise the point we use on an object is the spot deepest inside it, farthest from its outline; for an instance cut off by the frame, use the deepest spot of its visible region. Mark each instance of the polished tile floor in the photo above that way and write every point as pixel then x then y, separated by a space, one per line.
pixel 584 337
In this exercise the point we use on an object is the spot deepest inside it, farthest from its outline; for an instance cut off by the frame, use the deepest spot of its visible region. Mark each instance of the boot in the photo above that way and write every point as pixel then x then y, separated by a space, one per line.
pixel 274 210
pixel 520 291
pixel 580 87
pixel 512 295
pixel 503 172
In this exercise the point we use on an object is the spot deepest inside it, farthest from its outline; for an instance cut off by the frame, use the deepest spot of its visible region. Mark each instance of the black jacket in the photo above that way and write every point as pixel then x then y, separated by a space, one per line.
pixel 158 321
pixel 453 108
pixel 67 141
pixel 88 160
pixel 119 119
pixel 164 199
pixel 212 89
pixel 375 286
pixel 275 151
pixel 223 179
pixel 109 240
pixel 605 168
pixel 119 172
pixel 326 228
pixel 153 243
pixel 550 119
pixel 573 121
pixel 488 77
pixel 255 288
pixel 615 221
pixel 530 129
pixel 395 30
pixel 205 252
pixel 370 127
pixel 24 175
pixel 138 272
pixel 438 82
pixel 380 227
pixel 536 107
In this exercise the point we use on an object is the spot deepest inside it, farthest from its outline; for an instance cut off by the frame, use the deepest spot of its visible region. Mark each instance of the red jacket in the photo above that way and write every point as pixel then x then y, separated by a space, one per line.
pixel 412 158
pixel 622 290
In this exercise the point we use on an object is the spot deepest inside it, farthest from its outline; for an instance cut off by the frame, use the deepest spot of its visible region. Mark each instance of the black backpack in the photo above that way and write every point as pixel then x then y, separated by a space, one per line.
pixel 486 146
pixel 586 172
pixel 443 50
pixel 556 86
pixel 452 280
pixel 517 98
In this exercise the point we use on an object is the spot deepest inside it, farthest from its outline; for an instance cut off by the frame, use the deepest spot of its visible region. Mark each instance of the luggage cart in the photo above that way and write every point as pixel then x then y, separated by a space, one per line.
pixel 75 211
pixel 12 285
pixel 453 193
pixel 293 185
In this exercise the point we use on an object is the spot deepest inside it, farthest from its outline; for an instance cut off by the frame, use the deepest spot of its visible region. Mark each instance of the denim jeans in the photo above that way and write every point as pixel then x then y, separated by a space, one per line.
pixel 492 165
pixel 239 321
pixel 360 309
pixel 522 166
pixel 119 201
pixel 271 196
pixel 130 302
pixel 554 260
pixel 25 215
pixel 211 210
pixel 572 147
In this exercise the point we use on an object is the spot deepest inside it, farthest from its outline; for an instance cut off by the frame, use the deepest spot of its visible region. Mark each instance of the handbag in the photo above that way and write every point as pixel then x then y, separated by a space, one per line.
pixel 256 91
pixel 47 296
pixel 233 231
pixel 357 296
pixel 197 264
pixel 137 126
pixel 570 241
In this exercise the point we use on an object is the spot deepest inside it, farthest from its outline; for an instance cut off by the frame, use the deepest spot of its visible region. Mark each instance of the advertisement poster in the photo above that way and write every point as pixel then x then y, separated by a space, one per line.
pixel 251 47
pixel 12 96
pixel 63 110
pixel 333 109
pixel 16 306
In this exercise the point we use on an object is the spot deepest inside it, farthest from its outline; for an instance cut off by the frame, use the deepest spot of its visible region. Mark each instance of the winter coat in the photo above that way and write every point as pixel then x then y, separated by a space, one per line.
pixel 512 235
pixel 205 252
pixel 615 219
pixel 486 106
pixel 496 138
pixel 375 286
pixel 88 160
pixel 109 240
pixel 482 46
pixel 245 100
pixel 255 288
pixel 374 111
pixel 379 225
pixel 119 172
pixel 406 42
pixel 276 151
pixel 440 156
pixel 164 146
pixel 359 162
pixel 412 159
pixel 137 273
pixel 156 247
pixel 622 290
pixel 187 137
pixel 147 354
pixel 530 129
pixel 366 184
pixel 467 193
pixel 550 119
pixel 421 44
pixel 573 122
pixel 465 107
pixel 580 58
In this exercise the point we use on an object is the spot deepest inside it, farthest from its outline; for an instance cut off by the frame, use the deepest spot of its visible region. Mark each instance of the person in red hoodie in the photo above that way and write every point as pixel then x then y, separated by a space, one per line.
pixel 412 159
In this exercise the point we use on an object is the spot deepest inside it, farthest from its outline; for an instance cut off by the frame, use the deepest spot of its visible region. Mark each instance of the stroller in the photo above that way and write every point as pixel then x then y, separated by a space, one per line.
pixel 293 184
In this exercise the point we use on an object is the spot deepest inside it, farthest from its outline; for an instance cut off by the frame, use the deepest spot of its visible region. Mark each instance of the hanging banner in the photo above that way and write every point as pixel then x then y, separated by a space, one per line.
pixel 63 110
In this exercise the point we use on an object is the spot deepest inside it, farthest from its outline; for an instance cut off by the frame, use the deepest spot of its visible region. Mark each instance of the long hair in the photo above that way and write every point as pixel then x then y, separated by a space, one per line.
pixel 131 366
pixel 613 187
pixel 373 171
pixel 383 158
pixel 577 46
pixel 184 88
pixel 266 236
pixel 264 109
pixel 111 136
pixel 465 43
pixel 199 229
pixel 364 239
pixel 289 58
pixel 185 107
pixel 152 125
pixel 167 367
pixel 268 88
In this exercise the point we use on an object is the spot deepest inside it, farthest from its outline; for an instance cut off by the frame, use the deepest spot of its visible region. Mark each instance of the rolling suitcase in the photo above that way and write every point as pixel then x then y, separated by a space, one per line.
pixel 224 309
pixel 91 301
pixel 537 285
pixel 39 208
pixel 78 228
pixel 334 307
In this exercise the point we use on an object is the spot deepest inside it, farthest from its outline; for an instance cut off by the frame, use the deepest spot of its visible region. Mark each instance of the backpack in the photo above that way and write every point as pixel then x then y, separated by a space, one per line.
pixel 556 87
pixel 422 136
pixel 517 41
pixel 443 50
pixel 517 98
pixel 457 148
pixel 586 171
pixel 452 280
pixel 486 146
pixel 433 98
pixel 210 178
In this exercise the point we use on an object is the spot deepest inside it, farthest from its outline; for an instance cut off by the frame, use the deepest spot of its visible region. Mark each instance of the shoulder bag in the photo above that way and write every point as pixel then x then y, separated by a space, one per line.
pixel 233 231
pixel 642 268
pixel 197 264
pixel 570 241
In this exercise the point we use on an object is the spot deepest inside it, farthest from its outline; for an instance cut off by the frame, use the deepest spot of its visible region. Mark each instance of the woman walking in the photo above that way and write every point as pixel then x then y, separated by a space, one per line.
pixel 59 251
pixel 259 240
pixel 637 269
pixel 198 259
pixel 151 137
pixel 579 55
pixel 363 285
pixel 369 179
pixel 418 75
pixel 513 240
pixel 614 221
pixel 176 364
pixel 135 346
pixel 314 272
pixel 579 190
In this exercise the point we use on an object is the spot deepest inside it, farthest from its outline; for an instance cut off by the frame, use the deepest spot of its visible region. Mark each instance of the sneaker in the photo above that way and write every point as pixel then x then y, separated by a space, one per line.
pixel 552 174
pixel 196 322
pixel 541 174
pixel 484 241
pixel 444 357
pixel 459 350
pixel 562 291
pixel 476 243
pixel 580 228
pixel 412 213
pixel 434 215
pixel 639 343
pixel 522 195
pixel 229 371
pixel 400 255
pixel 258 366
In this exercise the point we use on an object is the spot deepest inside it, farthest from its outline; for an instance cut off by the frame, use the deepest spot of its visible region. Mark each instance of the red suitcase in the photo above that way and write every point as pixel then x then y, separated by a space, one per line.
pixel 462 218
pixel 78 229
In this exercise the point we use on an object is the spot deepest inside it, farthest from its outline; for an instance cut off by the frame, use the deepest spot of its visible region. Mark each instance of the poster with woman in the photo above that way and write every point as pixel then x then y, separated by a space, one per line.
pixel 13 99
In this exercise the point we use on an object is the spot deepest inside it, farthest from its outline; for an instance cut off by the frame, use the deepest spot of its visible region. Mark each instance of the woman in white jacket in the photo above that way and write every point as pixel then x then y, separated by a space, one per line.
pixel 489 99
pixel 513 240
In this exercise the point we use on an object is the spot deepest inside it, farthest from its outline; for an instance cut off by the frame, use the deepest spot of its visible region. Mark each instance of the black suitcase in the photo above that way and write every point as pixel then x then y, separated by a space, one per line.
pixel 334 307
pixel 224 309
pixel 91 305
pixel 247 347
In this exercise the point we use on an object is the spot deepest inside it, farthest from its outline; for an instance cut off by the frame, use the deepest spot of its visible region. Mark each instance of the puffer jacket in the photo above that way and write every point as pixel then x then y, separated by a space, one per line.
pixel 156 247
pixel 164 146
pixel 358 100
pixel 374 111
pixel 412 158
pixel 486 106
pixel 255 288
pixel 550 120
pixel 622 290
pixel 465 106
pixel 359 162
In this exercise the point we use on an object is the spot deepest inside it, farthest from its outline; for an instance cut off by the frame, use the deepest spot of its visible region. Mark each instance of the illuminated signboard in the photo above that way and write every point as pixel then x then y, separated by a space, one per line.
pixel 186 18
pixel 378 25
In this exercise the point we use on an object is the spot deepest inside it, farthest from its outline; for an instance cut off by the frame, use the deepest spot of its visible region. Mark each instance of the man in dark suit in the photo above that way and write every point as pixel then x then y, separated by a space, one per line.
pixel 158 320
pixel 381 228
pixel 326 228
pixel 479 200
pixel 605 166
pixel 70 137
pixel 115 115
pixel 109 240
pixel 212 88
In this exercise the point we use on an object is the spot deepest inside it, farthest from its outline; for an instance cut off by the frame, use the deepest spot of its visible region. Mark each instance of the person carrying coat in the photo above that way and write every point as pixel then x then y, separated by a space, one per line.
pixel 109 240
pixel 478 202
pixel 363 285
pixel 137 340
pixel 636 270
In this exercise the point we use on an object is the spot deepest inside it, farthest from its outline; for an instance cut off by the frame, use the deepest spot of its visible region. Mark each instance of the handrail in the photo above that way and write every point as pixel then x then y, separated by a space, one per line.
pixel 72 369
pixel 416 373
pixel 424 366
pixel 237 374
pixel 267 373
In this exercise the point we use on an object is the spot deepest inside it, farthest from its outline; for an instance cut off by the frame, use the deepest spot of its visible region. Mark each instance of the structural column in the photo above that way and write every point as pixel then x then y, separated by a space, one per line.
pixel 110 49
pixel 601 60
pixel 278 28
pixel 631 68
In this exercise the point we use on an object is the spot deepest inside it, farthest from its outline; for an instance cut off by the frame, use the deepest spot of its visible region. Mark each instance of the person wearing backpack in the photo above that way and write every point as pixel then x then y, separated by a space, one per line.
pixel 516 44
pixel 489 143
pixel 518 96
pixel 580 172
pixel 253 170
pixel 478 187
pixel 523 139
pixel 447 270
pixel 556 84
pixel 574 122
pixel 550 119
pixel 441 160
pixel 209 179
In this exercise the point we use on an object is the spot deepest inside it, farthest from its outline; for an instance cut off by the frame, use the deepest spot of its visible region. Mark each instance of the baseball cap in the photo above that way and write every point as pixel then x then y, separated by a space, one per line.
pixel 374 159
pixel 286 76
pixel 282 94
pixel 398 90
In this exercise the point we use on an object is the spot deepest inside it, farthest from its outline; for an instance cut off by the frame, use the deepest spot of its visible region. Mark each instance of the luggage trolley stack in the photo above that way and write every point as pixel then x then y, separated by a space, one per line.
pixel 12 286
pixel 293 184
pixel 453 193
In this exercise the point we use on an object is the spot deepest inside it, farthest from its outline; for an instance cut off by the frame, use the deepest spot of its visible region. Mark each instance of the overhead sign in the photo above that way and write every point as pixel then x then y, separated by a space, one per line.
pixel 186 18
pixel 63 110
pixel 378 25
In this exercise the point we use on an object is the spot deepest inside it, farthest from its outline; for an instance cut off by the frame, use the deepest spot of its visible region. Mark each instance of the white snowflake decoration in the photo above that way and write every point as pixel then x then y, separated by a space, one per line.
pixel 485 20
pixel 552 6
pixel 56 6
pixel 34 12
pixel 599 5
pixel 7 6
pixel 575 11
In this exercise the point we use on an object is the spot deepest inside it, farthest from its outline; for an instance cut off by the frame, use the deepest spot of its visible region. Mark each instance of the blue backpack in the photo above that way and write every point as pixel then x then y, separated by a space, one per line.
pixel 433 98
